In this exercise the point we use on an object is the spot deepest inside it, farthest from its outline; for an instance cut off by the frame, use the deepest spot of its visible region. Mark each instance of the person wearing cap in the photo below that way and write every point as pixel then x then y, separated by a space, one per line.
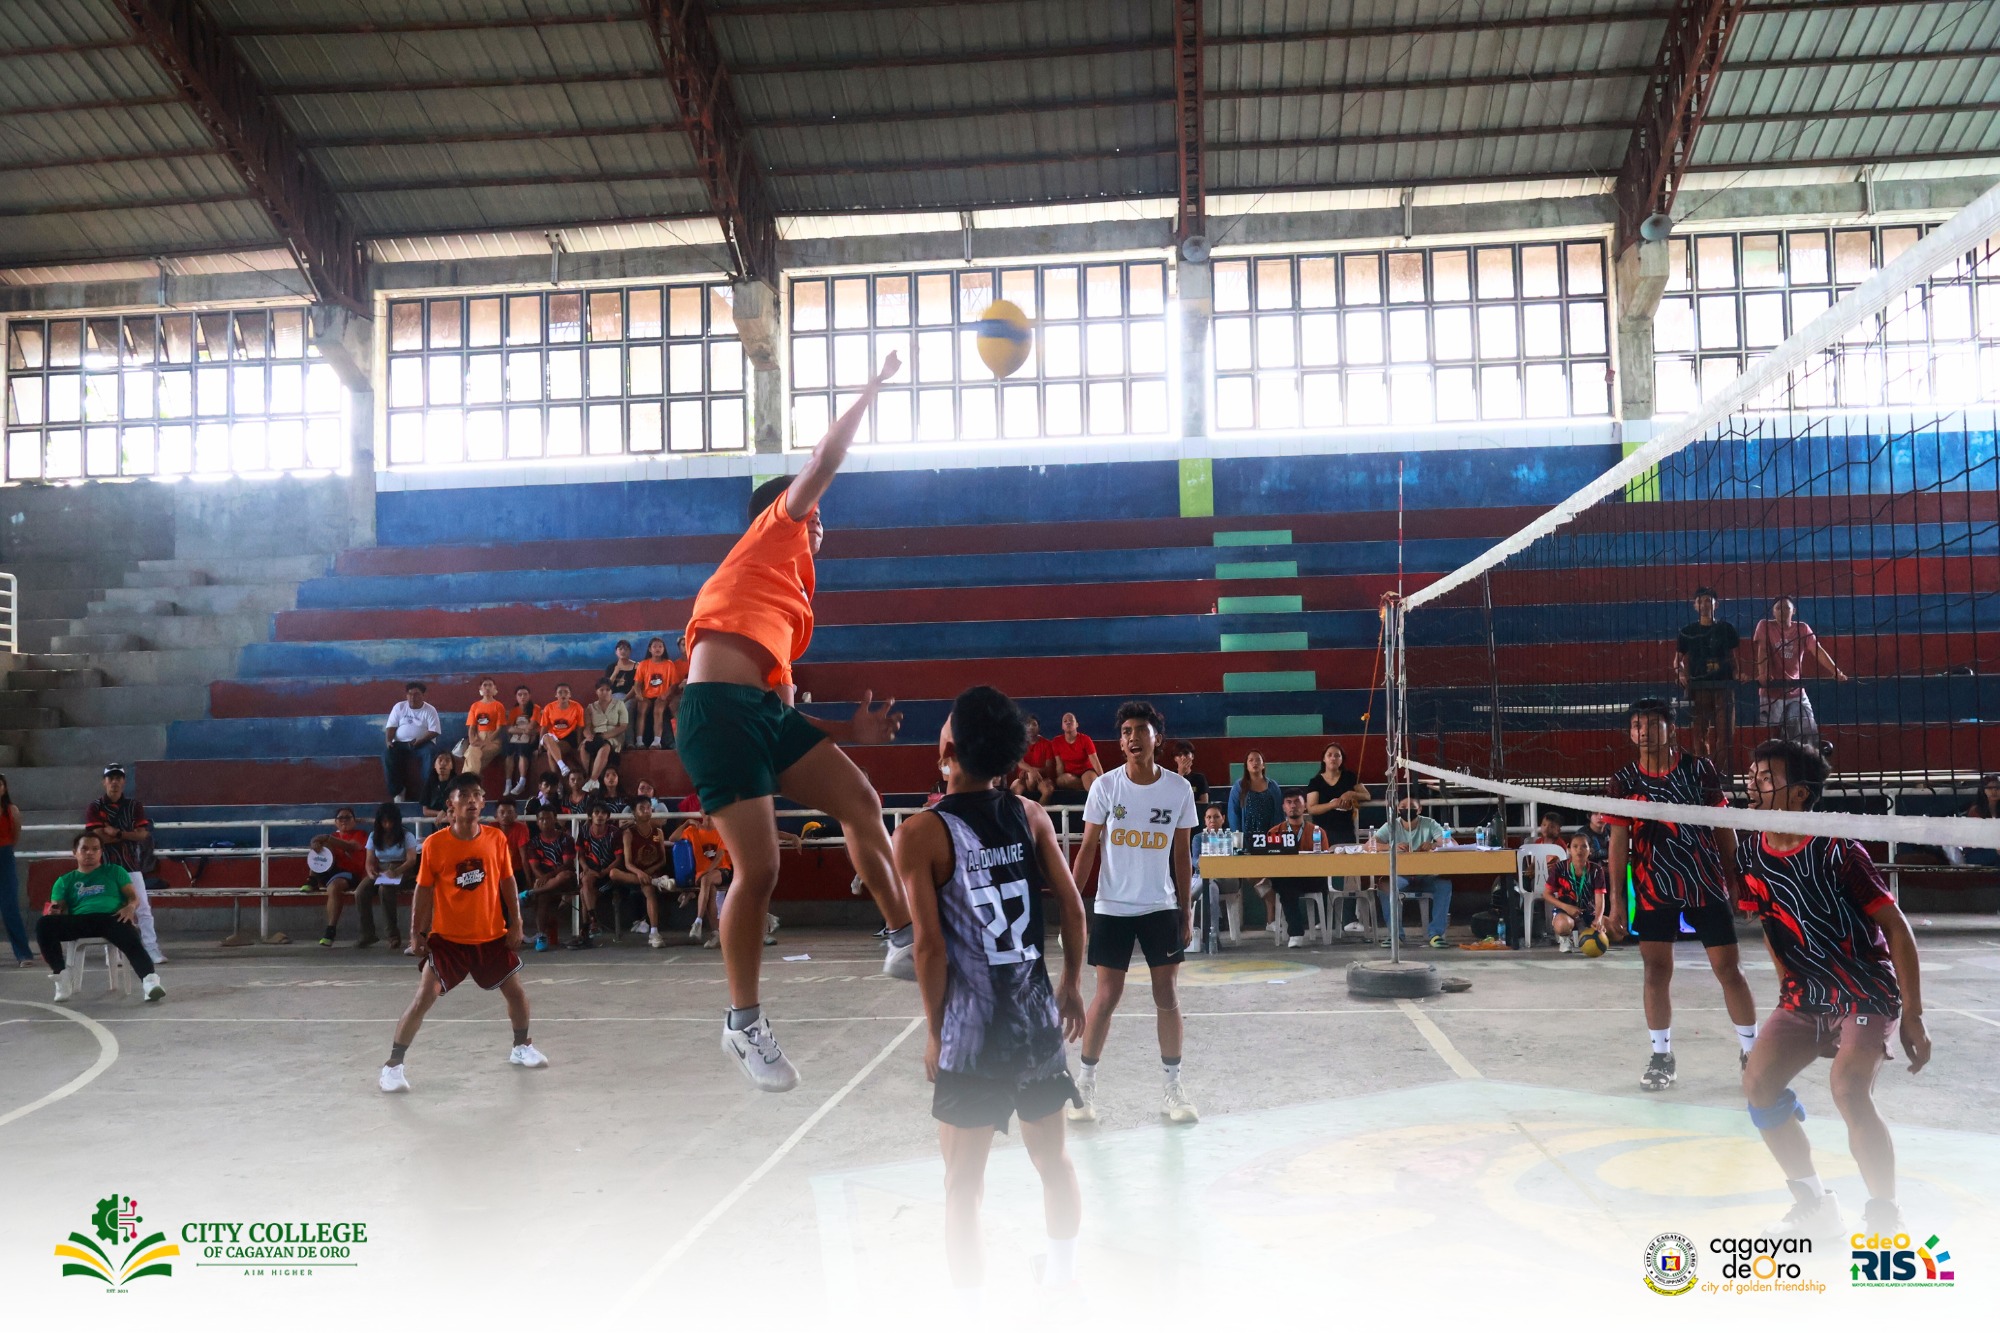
pixel 1705 666
pixel 411 733
pixel 120 823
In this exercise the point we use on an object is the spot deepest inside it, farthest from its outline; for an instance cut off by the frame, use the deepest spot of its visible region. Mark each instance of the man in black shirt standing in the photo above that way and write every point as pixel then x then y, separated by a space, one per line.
pixel 1705 665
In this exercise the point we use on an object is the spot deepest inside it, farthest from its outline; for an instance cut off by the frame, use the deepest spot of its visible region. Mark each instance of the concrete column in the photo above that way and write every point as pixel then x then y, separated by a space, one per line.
pixel 1640 275
pixel 346 341
pixel 1197 301
pixel 760 324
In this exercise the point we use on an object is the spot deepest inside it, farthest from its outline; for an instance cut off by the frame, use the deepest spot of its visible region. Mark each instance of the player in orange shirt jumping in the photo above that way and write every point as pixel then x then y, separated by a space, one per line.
pixel 465 921
pixel 743 743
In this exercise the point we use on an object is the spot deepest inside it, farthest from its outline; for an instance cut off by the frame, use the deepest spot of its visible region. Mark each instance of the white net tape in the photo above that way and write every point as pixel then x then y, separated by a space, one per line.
pixel 1920 830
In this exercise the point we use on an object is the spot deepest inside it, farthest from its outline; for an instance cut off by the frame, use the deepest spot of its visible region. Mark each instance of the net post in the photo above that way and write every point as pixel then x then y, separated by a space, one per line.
pixel 1392 629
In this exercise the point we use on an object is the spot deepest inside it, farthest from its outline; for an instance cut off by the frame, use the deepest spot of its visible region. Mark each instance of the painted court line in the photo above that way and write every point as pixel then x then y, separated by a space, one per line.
pixel 1440 1043
pixel 107 1054
pixel 1967 1013
pixel 764 1168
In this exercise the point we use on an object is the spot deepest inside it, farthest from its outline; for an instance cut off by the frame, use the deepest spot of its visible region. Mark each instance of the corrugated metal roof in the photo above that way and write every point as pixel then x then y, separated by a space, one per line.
pixel 559 111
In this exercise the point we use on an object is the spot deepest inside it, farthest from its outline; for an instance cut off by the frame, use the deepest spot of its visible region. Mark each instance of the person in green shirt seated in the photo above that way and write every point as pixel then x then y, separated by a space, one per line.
pixel 1415 831
pixel 94 901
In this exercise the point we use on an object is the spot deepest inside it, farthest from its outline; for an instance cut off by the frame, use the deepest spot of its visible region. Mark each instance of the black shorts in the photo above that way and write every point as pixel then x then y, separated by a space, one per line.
pixel 1157 933
pixel 1581 913
pixel 1714 925
pixel 520 749
pixel 971 1102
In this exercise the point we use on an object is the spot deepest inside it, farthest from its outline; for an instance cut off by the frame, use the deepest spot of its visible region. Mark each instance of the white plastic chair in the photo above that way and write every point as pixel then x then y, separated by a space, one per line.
pixel 76 960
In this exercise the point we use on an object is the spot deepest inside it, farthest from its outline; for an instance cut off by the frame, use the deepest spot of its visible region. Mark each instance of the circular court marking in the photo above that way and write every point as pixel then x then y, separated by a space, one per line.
pixel 107 1055
pixel 1240 971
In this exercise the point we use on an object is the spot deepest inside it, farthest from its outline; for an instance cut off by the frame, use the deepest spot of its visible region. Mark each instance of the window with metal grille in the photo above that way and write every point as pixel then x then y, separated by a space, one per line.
pixel 1409 337
pixel 1733 296
pixel 1098 365
pixel 568 374
pixel 207 393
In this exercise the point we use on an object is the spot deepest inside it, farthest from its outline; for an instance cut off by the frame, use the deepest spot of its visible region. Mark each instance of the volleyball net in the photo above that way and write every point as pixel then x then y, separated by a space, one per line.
pixel 1834 504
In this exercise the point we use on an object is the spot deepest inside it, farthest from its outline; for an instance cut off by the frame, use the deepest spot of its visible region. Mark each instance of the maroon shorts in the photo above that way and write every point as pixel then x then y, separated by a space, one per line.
pixel 488 964
pixel 1832 1032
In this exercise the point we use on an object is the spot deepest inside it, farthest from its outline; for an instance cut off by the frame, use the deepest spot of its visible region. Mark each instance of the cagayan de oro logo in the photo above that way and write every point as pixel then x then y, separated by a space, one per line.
pixel 1670 1264
pixel 116 1223
pixel 1891 1261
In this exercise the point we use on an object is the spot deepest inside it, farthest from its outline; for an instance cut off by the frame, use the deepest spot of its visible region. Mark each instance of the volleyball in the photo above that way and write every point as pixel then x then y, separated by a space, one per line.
pixel 1593 943
pixel 1004 338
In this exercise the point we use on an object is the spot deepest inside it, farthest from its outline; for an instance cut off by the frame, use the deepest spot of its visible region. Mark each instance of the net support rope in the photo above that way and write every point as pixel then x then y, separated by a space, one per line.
pixel 1916 830
pixel 1971 225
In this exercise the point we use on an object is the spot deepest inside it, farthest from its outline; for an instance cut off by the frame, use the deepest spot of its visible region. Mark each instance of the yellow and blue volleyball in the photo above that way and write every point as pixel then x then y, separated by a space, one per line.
pixel 1004 338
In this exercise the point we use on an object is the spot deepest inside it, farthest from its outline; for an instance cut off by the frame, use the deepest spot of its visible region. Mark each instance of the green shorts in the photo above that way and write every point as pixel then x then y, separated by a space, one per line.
pixel 735 740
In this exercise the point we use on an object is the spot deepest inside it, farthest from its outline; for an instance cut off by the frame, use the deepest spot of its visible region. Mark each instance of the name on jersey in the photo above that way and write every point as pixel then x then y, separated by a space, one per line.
pixel 1147 839
pixel 988 857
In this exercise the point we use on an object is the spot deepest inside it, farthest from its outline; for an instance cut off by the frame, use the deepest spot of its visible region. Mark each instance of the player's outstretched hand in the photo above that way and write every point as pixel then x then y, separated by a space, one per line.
pixel 1069 1005
pixel 1916 1041
pixel 875 725
pixel 890 365
pixel 933 1052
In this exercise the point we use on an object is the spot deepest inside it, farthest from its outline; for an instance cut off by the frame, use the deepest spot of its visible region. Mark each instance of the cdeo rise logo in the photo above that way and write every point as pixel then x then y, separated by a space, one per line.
pixel 116 1222
pixel 1891 1261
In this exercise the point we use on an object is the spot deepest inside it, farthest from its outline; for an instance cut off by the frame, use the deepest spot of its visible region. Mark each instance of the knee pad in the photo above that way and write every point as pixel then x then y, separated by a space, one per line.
pixel 1784 1107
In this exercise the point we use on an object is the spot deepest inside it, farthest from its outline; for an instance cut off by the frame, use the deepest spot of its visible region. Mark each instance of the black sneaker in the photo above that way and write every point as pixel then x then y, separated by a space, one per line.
pixel 582 942
pixel 1659 1075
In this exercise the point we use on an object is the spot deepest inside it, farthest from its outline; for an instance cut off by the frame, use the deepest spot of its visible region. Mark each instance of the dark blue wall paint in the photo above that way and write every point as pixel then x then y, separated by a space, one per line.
pixel 1433 479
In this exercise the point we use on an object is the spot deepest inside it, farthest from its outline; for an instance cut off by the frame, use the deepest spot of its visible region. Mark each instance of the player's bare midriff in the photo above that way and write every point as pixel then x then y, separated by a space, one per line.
pixel 721 658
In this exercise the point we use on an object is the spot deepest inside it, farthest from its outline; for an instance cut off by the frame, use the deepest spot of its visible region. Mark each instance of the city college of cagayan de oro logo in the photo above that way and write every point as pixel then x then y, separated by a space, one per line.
pixel 116 1223
pixel 1670 1264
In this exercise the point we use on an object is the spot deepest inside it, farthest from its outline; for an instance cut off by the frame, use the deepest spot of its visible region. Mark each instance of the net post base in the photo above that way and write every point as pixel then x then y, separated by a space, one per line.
pixel 1385 980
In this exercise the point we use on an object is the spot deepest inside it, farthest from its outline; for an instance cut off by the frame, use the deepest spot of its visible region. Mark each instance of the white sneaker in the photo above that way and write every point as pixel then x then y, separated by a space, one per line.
pixel 656 940
pixel 856 887
pixel 757 1055
pixel 664 883
pixel 711 942
pixel 527 1057
pixel 1086 1088
pixel 1296 942
pixel 592 785
pixel 771 924
pixel 158 957
pixel 1353 928
pixel 393 1079
pixel 1813 1219
pixel 151 987
pixel 63 988
pixel 695 931
pixel 900 962
pixel 1178 1108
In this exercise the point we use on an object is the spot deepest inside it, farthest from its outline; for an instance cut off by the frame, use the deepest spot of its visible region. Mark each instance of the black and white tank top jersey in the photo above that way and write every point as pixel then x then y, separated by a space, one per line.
pixel 1000 1011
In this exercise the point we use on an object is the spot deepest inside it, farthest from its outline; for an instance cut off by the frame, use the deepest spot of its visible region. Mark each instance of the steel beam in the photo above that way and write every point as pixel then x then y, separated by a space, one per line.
pixel 714 125
pixel 220 88
pixel 401 27
pixel 1191 204
pixel 1671 112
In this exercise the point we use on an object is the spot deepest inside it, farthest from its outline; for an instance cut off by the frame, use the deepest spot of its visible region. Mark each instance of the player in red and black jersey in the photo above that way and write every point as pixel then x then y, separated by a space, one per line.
pixel 549 860
pixel 1677 871
pixel 598 850
pixel 1847 976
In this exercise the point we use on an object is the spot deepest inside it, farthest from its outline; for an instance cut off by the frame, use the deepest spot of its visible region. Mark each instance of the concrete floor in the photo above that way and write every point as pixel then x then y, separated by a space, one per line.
pixel 1483 1155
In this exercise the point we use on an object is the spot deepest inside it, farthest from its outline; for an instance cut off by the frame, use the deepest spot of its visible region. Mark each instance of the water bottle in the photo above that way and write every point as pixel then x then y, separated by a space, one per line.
pixel 1479 838
pixel 1503 930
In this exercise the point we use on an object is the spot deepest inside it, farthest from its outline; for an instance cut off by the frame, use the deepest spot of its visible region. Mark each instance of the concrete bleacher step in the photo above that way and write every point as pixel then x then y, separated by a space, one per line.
pixel 59 746
pixel 207 599
pixel 66 789
pixel 123 705
pixel 175 631
pixel 78 642
pixel 53 677
pixel 37 636
pixel 157 666
pixel 193 573
pixel 22 710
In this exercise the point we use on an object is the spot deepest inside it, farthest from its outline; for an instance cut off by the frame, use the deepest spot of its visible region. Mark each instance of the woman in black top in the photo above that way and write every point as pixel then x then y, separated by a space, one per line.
pixel 1333 796
pixel 622 670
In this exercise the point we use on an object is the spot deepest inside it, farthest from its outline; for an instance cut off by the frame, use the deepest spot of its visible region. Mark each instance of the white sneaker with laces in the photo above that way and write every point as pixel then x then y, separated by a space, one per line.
pixel 1086 1089
pixel 592 785
pixel 1295 942
pixel 1812 1219
pixel 664 883
pixel 756 1053
pixel 711 942
pixel 656 940
pixel 63 988
pixel 771 924
pixel 695 931
pixel 151 987
pixel 393 1079
pixel 526 1056
pixel 1178 1108
pixel 900 961
pixel 1353 928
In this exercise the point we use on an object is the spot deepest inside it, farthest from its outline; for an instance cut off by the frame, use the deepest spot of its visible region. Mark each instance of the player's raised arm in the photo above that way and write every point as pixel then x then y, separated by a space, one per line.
pixel 818 473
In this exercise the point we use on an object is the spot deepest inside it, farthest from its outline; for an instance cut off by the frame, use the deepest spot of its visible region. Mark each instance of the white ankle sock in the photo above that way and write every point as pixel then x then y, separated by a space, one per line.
pixel 1746 1035
pixel 1809 1185
pixel 971 1301
pixel 1062 1262
pixel 1663 1040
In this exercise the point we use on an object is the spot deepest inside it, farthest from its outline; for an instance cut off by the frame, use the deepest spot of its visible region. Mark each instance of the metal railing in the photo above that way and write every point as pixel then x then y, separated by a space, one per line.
pixel 10 612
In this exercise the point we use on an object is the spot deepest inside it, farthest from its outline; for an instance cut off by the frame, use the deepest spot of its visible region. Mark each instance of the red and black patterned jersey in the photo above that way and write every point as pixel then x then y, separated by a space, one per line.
pixel 1576 885
pixel 1815 902
pixel 599 854
pixel 546 856
pixel 1674 866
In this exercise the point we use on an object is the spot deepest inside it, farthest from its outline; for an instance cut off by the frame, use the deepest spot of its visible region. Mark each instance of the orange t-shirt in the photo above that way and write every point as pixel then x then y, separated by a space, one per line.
pixel 559 719
pixel 657 679
pixel 466 878
pixel 763 590
pixel 486 715
pixel 709 853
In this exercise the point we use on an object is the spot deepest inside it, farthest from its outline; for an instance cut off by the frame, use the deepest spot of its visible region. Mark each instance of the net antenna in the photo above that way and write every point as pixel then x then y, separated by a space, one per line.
pixel 1850 473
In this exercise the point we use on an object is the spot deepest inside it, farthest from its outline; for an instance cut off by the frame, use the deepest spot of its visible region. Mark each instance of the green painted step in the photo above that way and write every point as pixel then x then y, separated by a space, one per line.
pixel 1265 537
pixel 1267 682
pixel 1284 773
pixel 1289 642
pixel 1257 569
pixel 1259 606
pixel 1276 724
pixel 1197 488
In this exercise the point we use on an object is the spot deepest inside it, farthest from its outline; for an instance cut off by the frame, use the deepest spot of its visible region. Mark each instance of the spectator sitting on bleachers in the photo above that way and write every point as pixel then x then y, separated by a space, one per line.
pixel 548 796
pixel 622 671
pixel 1073 763
pixel 1292 893
pixel 561 722
pixel 126 836
pixel 712 871
pixel 606 721
pixel 94 901
pixel 485 724
pixel 391 851
pixel 523 739
pixel 611 793
pixel 412 733
pixel 645 866
pixel 335 863
pixel 507 818
pixel 597 851
pixel 654 681
pixel 438 790
pixel 645 789
pixel 1031 775
pixel 575 798
pixel 549 855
